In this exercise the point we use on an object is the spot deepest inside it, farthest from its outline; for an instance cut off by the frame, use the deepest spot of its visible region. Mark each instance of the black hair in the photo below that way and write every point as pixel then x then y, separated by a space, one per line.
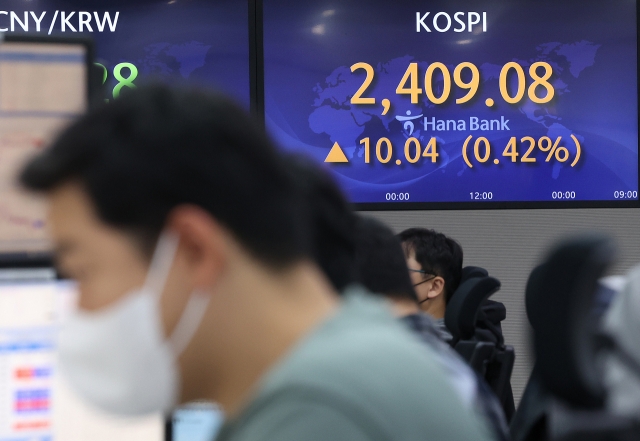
pixel 437 254
pixel 381 265
pixel 332 222
pixel 158 147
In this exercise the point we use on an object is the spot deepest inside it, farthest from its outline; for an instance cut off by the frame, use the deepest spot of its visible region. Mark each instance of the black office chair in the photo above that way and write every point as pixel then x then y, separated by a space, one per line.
pixel 530 420
pixel 490 313
pixel 564 399
pixel 462 309
pixel 492 360
pixel 564 330
pixel 472 272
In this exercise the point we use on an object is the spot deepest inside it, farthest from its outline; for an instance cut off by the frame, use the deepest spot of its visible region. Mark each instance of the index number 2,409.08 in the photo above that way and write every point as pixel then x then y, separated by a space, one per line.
pixel 540 91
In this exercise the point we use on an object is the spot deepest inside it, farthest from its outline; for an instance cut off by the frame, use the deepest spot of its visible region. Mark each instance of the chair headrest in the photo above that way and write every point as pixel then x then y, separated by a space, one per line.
pixel 471 272
pixel 560 300
pixel 460 316
pixel 535 310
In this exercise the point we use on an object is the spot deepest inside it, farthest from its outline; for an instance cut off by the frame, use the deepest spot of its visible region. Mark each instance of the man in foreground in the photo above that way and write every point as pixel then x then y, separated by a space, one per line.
pixel 191 249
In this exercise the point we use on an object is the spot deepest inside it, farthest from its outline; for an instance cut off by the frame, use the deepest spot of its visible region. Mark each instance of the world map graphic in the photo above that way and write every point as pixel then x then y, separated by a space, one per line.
pixel 347 124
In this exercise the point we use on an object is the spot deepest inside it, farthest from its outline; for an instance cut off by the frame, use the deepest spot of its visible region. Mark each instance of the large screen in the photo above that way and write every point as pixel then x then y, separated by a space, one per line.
pixel 201 42
pixel 43 86
pixel 457 102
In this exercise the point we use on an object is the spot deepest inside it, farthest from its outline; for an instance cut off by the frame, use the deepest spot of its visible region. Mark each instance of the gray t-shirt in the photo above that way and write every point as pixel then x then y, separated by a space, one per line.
pixel 445 334
pixel 360 376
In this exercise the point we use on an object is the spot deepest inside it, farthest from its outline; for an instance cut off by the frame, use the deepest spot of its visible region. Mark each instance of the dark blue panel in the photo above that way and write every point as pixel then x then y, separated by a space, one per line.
pixel 590 47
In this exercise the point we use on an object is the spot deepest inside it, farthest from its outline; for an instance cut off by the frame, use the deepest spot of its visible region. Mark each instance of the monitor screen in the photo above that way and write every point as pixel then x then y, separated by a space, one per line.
pixel 35 402
pixel 196 422
pixel 43 86
pixel 28 314
pixel 459 103
pixel 201 42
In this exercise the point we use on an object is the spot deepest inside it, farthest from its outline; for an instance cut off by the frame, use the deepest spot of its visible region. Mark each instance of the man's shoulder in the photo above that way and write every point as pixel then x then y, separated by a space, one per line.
pixel 365 341
pixel 295 414
pixel 367 367
pixel 304 412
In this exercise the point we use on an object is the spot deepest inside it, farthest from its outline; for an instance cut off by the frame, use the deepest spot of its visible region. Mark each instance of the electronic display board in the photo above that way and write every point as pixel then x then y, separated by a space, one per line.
pixel 43 85
pixel 459 103
pixel 198 42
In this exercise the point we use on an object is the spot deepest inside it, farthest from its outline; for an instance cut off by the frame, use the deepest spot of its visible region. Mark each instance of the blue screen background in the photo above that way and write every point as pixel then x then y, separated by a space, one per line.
pixel 198 42
pixel 591 45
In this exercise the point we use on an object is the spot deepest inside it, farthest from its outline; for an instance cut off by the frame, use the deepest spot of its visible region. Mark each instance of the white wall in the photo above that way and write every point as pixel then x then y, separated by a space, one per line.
pixel 509 243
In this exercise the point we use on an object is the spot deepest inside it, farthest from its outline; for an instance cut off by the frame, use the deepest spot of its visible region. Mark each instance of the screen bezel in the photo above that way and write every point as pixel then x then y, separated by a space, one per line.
pixel 258 108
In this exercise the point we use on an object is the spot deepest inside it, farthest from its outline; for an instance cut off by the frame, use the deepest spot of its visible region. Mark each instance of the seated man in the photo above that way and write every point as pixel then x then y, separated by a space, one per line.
pixel 381 268
pixel 435 268
pixel 191 245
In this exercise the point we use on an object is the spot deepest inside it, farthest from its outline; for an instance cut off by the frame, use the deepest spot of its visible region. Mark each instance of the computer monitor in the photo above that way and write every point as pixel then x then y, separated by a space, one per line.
pixel 44 85
pixel 29 310
pixel 35 402
pixel 195 422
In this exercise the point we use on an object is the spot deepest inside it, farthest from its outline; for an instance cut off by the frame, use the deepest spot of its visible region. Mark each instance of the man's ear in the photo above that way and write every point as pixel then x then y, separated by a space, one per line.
pixel 204 243
pixel 437 288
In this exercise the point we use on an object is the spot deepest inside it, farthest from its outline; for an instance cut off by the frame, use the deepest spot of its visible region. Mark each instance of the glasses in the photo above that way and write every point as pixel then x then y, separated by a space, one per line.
pixel 422 272
pixel 418 271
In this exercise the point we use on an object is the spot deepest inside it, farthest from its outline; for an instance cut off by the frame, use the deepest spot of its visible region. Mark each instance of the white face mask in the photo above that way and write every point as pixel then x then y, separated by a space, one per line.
pixel 117 358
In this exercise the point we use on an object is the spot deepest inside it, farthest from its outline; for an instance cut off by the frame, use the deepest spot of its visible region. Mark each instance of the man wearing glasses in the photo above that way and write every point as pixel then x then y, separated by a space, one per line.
pixel 435 268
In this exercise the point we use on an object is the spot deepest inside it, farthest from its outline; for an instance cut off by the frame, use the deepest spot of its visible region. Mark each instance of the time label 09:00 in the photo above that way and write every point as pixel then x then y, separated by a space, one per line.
pixel 625 194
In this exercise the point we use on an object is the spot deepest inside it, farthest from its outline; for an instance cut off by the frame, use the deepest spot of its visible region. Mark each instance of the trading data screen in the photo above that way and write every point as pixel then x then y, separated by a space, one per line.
pixel 42 88
pixel 459 101
pixel 28 317
pixel 35 402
